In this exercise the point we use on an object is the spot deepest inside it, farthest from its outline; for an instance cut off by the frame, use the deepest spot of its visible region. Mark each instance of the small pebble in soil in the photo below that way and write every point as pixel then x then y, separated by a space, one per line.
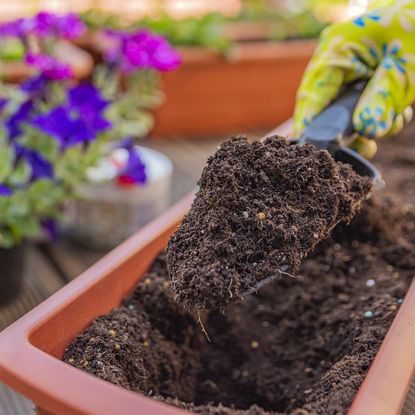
pixel 85 363
pixel 147 281
pixel 343 298
pixel 370 283
pixel 368 314
pixel 261 215
pixel 265 324
pixel 146 343
pixel 112 333
pixel 71 360
pixel 131 307
pixel 117 347
pixel 254 344
pixel 387 295
pixel 245 214
pixel 393 307
pixel 399 301
pixel 308 391
pixel 389 268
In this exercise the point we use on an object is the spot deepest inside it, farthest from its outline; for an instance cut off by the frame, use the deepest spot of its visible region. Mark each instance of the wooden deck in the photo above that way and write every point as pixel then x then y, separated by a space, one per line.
pixel 49 267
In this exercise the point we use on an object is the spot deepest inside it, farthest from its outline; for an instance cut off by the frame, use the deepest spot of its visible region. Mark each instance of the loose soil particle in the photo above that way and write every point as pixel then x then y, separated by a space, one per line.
pixel 300 346
pixel 260 209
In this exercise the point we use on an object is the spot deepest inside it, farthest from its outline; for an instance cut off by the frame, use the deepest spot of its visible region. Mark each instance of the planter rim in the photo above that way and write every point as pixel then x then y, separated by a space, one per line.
pixel 250 51
pixel 61 388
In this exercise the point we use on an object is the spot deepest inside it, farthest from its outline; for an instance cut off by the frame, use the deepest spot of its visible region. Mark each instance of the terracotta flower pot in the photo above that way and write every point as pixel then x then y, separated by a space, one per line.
pixel 11 272
pixel 254 87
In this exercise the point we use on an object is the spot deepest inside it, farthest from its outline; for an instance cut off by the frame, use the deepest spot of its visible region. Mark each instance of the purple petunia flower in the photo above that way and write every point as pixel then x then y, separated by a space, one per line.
pixel 23 114
pixel 87 101
pixel 67 130
pixel 40 166
pixel 50 227
pixel 3 103
pixel 142 50
pixel 134 172
pixel 5 190
pixel 35 85
pixel 50 67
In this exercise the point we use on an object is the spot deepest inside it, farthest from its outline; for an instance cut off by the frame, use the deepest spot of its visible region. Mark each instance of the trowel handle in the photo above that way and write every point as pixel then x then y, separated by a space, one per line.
pixel 348 101
pixel 336 121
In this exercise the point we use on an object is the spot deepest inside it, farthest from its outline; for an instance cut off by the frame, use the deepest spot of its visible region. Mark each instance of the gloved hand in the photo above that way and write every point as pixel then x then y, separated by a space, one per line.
pixel 378 46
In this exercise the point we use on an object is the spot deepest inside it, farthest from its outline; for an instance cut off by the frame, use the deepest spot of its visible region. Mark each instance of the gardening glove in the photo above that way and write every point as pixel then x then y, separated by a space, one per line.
pixel 378 46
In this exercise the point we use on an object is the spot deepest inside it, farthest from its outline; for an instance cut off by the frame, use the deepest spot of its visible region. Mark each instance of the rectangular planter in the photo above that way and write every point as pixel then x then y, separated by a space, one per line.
pixel 31 348
pixel 253 88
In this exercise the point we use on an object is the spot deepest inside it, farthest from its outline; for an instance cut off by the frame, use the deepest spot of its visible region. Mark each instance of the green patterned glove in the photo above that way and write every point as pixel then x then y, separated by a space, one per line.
pixel 378 46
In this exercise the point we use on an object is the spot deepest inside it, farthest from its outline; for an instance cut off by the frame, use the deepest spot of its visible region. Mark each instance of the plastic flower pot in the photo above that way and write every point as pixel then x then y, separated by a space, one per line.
pixel 11 272
pixel 31 348
pixel 121 209
pixel 253 87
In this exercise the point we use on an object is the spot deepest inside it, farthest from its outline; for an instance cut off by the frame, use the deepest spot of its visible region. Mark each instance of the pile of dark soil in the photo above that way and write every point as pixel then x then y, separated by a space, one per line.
pixel 260 209
pixel 300 346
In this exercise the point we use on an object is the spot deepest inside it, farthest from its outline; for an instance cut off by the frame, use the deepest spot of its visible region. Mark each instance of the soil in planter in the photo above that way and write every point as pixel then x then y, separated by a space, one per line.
pixel 260 209
pixel 299 346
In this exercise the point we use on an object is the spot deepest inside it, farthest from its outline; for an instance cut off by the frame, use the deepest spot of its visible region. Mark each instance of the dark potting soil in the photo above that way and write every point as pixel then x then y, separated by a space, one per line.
pixel 260 209
pixel 299 346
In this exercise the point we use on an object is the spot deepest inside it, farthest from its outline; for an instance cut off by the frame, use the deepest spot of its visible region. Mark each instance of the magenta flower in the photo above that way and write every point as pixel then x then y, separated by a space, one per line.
pixel 45 24
pixel 70 26
pixel 50 67
pixel 17 28
pixel 142 50
pixel 5 190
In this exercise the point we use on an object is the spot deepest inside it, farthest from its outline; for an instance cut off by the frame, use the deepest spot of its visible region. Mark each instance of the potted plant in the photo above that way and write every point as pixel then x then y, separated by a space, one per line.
pixel 32 348
pixel 54 130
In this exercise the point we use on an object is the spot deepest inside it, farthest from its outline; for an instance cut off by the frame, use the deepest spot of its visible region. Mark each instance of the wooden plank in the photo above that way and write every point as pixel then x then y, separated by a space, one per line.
pixel 409 406
pixel 12 403
pixel 39 282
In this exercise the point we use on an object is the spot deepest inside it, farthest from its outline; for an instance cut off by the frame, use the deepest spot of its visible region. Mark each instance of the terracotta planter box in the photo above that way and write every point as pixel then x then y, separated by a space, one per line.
pixel 253 88
pixel 210 93
pixel 31 348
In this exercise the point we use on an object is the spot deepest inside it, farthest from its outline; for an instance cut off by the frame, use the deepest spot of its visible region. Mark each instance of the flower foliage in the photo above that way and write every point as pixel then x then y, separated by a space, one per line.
pixel 53 129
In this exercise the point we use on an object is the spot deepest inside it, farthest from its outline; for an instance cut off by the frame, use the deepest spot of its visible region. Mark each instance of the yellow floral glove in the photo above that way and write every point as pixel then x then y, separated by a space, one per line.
pixel 378 46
